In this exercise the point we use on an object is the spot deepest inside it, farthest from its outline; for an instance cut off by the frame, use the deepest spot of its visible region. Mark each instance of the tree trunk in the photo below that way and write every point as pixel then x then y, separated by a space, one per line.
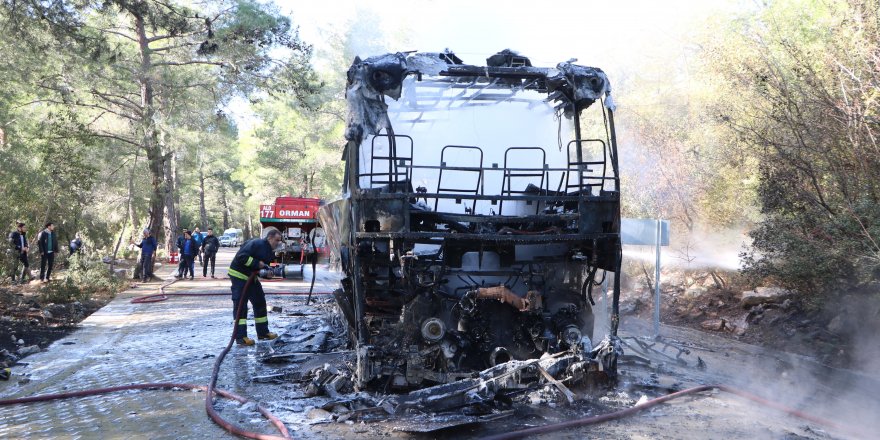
pixel 175 178
pixel 203 213
pixel 131 215
pixel 171 224
pixel 116 249
pixel 718 279
pixel 225 204
pixel 150 141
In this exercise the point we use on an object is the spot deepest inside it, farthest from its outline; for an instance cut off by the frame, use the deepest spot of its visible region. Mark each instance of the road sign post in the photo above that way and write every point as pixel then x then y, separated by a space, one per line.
pixel 648 232
pixel 657 280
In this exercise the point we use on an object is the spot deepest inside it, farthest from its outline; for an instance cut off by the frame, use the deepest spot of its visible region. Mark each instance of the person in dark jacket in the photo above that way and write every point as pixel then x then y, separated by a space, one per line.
pixel 210 246
pixel 48 244
pixel 188 255
pixel 75 244
pixel 251 257
pixel 148 247
pixel 181 267
pixel 18 241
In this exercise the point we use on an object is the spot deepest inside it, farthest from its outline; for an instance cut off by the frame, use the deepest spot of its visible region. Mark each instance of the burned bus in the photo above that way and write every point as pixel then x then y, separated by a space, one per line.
pixel 481 206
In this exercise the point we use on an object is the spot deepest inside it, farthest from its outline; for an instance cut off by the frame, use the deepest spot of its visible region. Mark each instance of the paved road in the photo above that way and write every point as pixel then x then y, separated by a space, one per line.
pixel 123 343
pixel 177 341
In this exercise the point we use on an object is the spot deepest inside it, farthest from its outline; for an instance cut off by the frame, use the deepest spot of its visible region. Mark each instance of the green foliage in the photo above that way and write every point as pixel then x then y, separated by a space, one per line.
pixel 806 108
pixel 678 160
pixel 90 149
pixel 7 258
pixel 297 146
pixel 90 274
pixel 63 292
pixel 83 278
pixel 299 150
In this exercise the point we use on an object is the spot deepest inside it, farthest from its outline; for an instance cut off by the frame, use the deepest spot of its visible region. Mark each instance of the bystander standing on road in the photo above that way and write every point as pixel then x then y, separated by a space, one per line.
pixel 48 244
pixel 18 241
pixel 181 265
pixel 210 246
pixel 148 247
pixel 188 254
pixel 197 236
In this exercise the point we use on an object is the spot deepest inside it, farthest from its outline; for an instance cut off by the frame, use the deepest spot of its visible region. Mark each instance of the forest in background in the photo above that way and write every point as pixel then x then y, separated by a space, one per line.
pixel 770 131
pixel 112 119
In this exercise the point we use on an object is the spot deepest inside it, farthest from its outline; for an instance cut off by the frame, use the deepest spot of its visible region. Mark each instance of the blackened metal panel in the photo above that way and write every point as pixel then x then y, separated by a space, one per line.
pixel 335 218
pixel 389 213
pixel 599 216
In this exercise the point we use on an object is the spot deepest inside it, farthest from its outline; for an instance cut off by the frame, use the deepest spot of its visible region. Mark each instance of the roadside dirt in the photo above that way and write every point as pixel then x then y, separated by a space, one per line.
pixel 682 358
pixel 34 315
pixel 832 333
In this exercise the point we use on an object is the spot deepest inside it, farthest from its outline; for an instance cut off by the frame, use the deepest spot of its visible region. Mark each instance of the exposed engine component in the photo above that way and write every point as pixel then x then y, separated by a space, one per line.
pixel 492 258
pixel 571 336
pixel 433 330
pixel 531 302
pixel 499 355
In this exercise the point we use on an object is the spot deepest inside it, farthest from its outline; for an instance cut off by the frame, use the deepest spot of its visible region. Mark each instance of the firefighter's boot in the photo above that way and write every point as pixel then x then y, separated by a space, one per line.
pixel 268 336
pixel 244 341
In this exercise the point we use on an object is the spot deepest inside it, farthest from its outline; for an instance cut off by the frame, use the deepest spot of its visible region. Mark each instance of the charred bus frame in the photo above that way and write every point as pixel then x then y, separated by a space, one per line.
pixel 432 296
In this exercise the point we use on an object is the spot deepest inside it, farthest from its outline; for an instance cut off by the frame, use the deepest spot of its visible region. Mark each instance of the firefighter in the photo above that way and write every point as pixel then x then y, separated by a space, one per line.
pixel 251 257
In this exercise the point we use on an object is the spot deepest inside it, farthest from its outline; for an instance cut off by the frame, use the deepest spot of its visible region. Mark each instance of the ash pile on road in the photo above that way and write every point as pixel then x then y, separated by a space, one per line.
pixel 307 377
pixel 311 359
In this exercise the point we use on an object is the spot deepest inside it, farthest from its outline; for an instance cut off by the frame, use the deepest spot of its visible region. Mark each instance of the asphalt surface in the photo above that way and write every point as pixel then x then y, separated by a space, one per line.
pixel 176 340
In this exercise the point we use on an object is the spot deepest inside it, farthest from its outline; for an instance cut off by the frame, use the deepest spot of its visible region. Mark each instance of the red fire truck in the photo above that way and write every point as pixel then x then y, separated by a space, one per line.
pixel 295 218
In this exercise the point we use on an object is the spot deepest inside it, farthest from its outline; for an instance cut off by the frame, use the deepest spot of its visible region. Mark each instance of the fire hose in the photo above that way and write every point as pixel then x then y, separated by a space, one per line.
pixel 278 274
pixel 210 388
pixel 209 398
pixel 314 258
pixel 592 420
pixel 164 296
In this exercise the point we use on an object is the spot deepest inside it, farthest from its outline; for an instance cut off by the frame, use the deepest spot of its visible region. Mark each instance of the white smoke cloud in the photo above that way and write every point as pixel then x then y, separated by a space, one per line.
pixel 697 250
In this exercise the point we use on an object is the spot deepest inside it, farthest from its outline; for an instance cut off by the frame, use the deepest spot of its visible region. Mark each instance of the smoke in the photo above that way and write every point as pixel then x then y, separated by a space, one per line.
pixel 696 250
pixel 847 336
pixel 853 327
pixel 846 397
